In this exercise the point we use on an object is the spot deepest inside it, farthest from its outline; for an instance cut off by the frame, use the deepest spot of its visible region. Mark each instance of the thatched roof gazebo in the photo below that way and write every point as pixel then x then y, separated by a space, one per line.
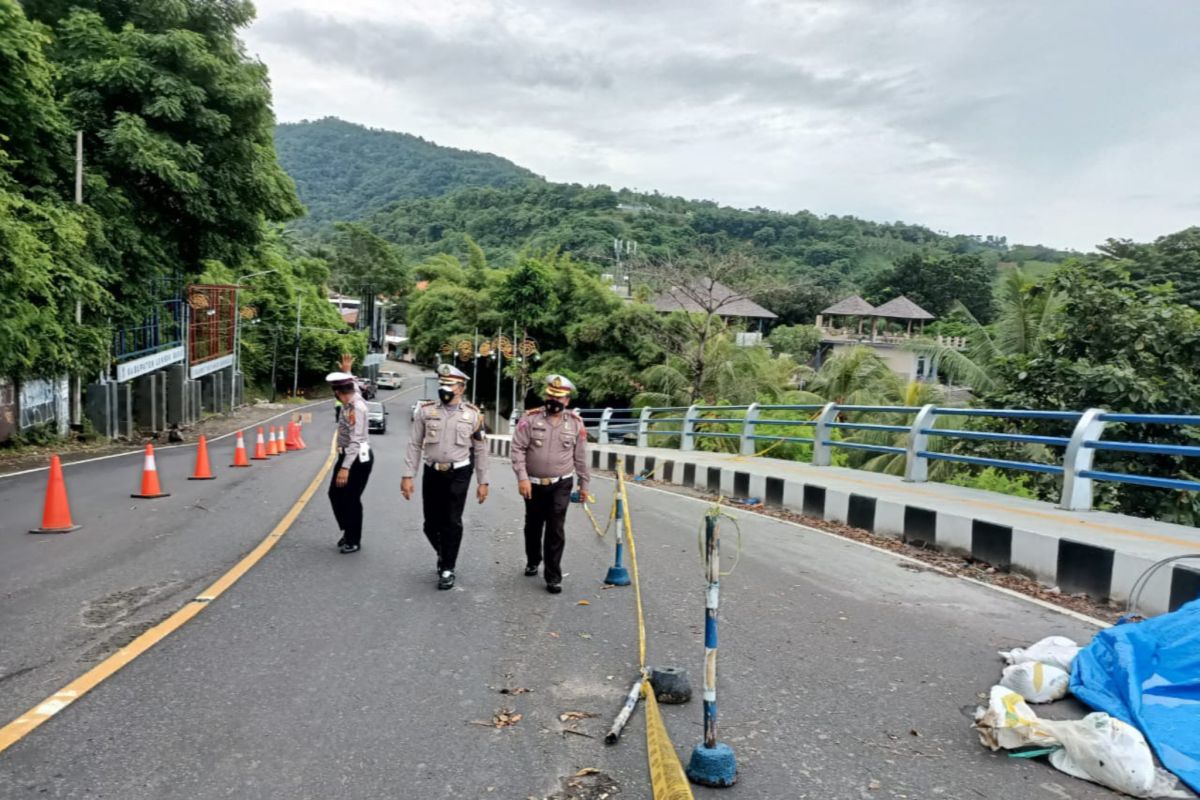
pixel 853 306
pixel 903 309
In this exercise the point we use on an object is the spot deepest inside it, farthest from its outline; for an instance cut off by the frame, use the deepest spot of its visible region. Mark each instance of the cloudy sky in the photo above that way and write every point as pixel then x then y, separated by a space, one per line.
pixel 1062 122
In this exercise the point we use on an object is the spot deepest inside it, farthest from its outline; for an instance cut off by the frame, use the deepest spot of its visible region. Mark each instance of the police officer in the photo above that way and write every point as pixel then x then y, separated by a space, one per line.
pixel 445 436
pixel 549 449
pixel 354 461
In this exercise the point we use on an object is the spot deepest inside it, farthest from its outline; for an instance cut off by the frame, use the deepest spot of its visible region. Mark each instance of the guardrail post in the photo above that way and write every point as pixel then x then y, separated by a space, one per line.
pixel 822 455
pixel 602 434
pixel 748 448
pixel 1077 490
pixel 916 467
pixel 688 439
pixel 643 429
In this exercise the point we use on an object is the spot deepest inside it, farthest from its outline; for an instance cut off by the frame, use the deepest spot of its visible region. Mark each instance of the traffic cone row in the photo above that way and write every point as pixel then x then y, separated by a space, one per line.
pixel 56 511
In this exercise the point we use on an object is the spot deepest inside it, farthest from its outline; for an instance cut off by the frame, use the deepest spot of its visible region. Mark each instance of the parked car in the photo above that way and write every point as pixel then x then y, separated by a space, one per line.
pixel 376 418
pixel 389 380
pixel 366 388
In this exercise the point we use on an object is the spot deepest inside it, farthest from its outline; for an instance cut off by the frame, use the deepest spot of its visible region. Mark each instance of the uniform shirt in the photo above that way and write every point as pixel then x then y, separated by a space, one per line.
pixel 448 435
pixel 352 428
pixel 550 447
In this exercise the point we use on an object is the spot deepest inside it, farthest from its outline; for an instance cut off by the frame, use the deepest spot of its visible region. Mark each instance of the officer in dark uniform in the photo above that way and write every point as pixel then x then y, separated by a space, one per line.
pixel 354 461
pixel 447 437
pixel 549 450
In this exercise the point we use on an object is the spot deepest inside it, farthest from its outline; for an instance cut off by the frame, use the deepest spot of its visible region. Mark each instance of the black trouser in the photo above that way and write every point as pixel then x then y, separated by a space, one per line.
pixel 546 511
pixel 347 500
pixel 443 496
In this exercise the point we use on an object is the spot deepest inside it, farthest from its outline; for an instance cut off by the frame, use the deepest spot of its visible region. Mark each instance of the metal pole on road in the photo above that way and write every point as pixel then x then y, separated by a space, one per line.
pixel 617 574
pixel 296 363
pixel 712 763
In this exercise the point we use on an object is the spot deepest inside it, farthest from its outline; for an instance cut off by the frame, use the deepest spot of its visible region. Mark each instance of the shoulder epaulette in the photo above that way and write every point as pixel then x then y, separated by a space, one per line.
pixel 533 411
pixel 425 403
pixel 471 406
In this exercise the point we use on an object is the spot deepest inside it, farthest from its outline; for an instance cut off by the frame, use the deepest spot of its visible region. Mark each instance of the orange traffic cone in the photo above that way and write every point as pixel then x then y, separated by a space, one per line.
pixel 293 437
pixel 56 514
pixel 203 470
pixel 150 487
pixel 300 435
pixel 260 449
pixel 239 453
pixel 272 445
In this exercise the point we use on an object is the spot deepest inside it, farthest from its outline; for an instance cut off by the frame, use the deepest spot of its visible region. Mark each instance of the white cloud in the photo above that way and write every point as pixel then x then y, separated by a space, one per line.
pixel 1062 123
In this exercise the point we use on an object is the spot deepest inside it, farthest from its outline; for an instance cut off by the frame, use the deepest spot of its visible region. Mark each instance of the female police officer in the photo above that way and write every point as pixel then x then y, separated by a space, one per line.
pixel 354 461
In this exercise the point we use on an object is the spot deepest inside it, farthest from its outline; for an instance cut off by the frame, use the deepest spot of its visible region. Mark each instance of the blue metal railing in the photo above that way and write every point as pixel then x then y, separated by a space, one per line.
pixel 835 426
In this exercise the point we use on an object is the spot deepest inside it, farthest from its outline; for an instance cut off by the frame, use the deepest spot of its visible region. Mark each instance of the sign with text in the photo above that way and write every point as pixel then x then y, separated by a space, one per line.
pixel 372 359
pixel 209 367
pixel 146 364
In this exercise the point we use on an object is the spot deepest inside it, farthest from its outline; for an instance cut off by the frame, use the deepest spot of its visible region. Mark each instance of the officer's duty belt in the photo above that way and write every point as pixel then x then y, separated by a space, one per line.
pixel 445 467
pixel 550 481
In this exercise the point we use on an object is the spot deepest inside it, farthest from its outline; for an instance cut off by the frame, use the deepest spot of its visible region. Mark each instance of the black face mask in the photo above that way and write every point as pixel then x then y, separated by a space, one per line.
pixel 445 394
pixel 554 406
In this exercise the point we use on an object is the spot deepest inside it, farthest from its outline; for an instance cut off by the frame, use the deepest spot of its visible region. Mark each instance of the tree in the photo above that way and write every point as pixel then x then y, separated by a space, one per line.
pixel 1126 348
pixel 1173 259
pixel 177 128
pixel 935 282
pixel 798 341
pixel 706 289
pixel 362 259
pixel 45 264
pixel 1028 313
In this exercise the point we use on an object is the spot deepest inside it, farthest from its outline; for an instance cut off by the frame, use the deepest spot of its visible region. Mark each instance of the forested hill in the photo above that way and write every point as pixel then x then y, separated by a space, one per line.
pixel 345 171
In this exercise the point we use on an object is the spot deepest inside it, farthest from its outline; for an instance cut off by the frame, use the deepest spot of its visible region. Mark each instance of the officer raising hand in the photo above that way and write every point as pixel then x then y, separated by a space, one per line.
pixel 445 435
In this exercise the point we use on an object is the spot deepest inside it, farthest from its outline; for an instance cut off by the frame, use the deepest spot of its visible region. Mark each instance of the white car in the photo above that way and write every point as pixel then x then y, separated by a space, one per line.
pixel 389 380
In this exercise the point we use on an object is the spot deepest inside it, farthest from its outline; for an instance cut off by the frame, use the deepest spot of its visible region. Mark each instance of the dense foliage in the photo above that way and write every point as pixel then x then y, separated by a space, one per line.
pixel 345 171
pixel 181 182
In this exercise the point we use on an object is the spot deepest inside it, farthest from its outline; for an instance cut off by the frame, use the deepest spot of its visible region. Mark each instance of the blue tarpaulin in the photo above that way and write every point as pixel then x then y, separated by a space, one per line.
pixel 1148 675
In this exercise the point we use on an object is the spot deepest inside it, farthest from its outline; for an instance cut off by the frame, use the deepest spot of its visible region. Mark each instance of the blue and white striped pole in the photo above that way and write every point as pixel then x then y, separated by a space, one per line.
pixel 617 574
pixel 712 763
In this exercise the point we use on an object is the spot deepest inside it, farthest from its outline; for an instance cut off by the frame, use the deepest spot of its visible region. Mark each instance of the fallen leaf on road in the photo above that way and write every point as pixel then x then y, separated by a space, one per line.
pixel 587 771
pixel 874 785
pixel 517 690
pixel 583 603
pixel 503 718
pixel 552 634
pixel 566 715
pixel 585 636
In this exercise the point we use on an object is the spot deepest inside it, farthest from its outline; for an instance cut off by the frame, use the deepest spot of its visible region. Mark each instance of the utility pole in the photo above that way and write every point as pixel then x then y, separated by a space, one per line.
pixel 296 363
pixel 274 359
pixel 499 372
pixel 77 380
pixel 474 362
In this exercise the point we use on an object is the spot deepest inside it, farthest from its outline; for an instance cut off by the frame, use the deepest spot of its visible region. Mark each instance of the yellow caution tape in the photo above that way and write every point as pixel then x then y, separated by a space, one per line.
pixel 667 779
pixel 666 773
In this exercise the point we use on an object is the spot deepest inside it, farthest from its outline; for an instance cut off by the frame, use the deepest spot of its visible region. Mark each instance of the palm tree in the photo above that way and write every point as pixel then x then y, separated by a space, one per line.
pixel 1027 312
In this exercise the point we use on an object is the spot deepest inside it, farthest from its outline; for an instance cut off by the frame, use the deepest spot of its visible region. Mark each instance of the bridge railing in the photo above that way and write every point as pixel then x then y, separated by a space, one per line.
pixel 917 440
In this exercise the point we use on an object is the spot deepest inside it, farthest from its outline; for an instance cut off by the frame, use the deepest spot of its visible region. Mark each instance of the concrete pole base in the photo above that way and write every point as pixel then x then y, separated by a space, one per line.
pixel 713 766
pixel 617 576
pixel 671 685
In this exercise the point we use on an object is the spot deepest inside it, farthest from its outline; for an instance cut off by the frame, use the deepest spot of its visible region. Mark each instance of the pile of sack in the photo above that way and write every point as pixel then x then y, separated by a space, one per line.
pixel 1098 748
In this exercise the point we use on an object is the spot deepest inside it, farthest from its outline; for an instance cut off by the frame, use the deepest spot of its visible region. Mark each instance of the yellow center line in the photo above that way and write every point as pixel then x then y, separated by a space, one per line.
pixel 16 730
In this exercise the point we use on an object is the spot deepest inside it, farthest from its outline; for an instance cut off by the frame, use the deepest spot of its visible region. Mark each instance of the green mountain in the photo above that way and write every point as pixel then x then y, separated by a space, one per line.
pixel 345 171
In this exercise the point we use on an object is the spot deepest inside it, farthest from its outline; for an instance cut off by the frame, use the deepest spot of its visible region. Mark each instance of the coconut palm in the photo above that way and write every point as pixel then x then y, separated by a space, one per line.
pixel 1027 312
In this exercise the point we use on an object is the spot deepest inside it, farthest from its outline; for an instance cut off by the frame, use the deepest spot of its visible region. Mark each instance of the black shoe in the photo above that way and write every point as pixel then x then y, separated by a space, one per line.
pixel 554 588
pixel 531 569
pixel 446 579
pixel 340 542
pixel 348 548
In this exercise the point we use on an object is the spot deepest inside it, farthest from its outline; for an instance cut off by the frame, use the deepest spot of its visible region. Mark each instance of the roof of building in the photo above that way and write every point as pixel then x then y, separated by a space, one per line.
pixel 350 316
pixel 902 308
pixel 722 304
pixel 853 306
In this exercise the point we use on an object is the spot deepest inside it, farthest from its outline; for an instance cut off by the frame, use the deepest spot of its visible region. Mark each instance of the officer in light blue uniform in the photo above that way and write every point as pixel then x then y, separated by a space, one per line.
pixel 354 461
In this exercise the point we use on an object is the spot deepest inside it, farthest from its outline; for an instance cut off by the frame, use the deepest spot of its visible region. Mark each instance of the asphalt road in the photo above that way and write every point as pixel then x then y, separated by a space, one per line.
pixel 845 672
